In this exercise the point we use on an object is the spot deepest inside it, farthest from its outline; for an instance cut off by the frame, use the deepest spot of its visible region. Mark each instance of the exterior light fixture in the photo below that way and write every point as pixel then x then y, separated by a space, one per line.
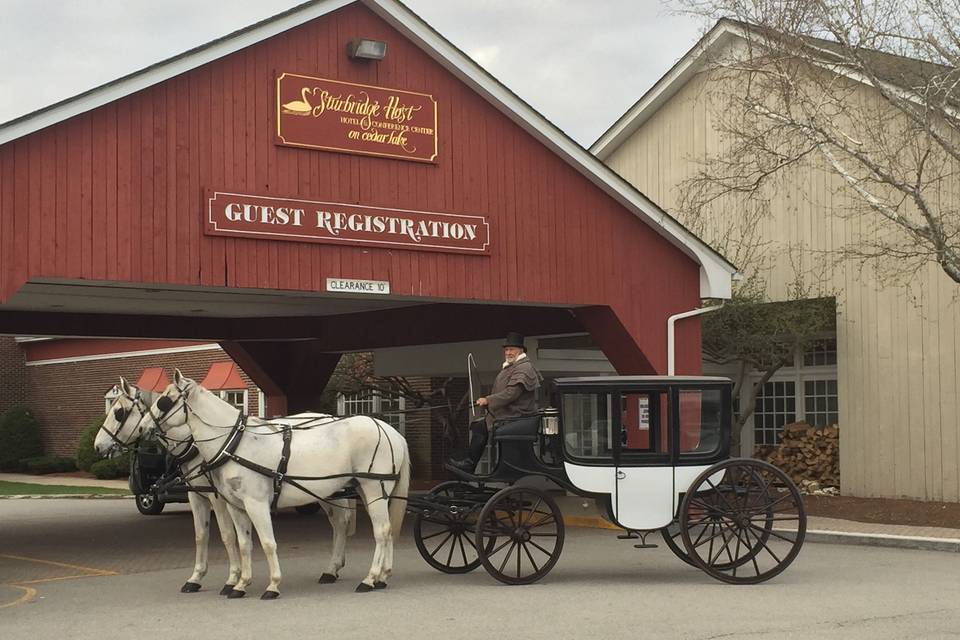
pixel 362 49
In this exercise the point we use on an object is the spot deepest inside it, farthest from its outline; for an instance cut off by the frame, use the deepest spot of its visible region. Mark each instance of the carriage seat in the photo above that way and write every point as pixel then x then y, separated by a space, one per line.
pixel 522 428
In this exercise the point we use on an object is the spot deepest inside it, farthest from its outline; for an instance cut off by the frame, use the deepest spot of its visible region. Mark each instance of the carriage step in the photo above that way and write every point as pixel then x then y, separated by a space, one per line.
pixel 629 535
pixel 645 546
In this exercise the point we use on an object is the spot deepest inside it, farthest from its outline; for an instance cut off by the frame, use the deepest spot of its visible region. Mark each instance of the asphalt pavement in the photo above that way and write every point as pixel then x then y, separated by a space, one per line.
pixel 98 569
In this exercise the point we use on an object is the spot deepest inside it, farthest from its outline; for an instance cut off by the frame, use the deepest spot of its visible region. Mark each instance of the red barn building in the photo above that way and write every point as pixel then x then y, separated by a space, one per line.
pixel 278 193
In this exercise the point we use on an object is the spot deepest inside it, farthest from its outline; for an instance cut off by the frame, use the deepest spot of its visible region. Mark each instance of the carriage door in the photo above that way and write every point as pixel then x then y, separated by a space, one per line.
pixel 644 470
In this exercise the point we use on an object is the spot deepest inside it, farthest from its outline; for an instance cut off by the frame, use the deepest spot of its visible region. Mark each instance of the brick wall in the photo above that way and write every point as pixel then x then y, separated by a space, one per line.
pixel 66 397
pixel 13 374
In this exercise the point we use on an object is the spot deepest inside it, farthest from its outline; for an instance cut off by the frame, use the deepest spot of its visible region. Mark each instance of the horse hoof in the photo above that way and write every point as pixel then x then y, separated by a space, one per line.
pixel 227 588
pixel 235 593
pixel 379 585
pixel 270 595
pixel 363 587
pixel 327 578
pixel 190 587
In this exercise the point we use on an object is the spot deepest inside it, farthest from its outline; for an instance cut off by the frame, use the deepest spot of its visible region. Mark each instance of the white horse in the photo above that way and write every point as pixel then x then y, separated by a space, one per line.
pixel 244 458
pixel 122 427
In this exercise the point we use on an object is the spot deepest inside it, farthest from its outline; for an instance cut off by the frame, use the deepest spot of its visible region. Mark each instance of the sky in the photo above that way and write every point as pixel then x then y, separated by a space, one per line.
pixel 580 63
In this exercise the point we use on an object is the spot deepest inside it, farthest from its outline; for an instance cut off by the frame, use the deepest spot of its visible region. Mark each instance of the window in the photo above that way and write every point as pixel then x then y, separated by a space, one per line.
pixel 643 422
pixel 237 399
pixel 820 402
pixel 388 407
pixel 776 406
pixel 823 353
pixel 587 427
pixel 701 414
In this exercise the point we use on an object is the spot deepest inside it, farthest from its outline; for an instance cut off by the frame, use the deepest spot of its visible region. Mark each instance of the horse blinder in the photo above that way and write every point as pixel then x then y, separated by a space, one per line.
pixel 164 404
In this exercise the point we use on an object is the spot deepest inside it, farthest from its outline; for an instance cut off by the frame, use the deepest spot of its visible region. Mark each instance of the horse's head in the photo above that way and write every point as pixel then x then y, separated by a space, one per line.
pixel 122 425
pixel 169 410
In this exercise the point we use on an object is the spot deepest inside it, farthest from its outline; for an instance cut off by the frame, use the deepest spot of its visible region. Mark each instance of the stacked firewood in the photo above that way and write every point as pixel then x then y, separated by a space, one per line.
pixel 806 454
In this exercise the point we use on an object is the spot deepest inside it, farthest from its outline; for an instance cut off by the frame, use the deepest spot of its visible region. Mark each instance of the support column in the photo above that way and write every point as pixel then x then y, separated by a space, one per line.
pixel 615 341
pixel 292 374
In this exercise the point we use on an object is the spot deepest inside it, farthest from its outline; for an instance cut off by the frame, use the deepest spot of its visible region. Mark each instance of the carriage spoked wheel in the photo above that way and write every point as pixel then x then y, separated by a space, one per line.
pixel 445 539
pixel 697 523
pixel 521 533
pixel 742 521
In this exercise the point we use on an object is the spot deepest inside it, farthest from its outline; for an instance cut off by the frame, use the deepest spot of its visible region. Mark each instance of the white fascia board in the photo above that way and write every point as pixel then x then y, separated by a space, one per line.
pixel 715 271
pixel 665 88
pixel 165 70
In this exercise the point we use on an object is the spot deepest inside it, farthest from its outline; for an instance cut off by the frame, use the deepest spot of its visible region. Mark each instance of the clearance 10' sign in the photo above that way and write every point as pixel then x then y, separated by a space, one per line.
pixel 318 113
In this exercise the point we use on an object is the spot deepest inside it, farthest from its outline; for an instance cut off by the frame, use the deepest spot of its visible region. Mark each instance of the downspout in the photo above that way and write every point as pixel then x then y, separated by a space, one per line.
pixel 671 322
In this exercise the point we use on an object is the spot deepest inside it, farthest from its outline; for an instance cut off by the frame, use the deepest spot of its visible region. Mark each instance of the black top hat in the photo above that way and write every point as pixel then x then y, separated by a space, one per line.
pixel 514 339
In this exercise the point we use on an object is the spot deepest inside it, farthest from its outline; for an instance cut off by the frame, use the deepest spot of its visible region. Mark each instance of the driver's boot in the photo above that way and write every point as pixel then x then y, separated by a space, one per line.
pixel 478 443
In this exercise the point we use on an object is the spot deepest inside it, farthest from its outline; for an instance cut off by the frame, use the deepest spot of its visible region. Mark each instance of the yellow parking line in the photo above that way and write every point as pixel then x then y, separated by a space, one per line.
pixel 81 575
pixel 29 594
pixel 89 570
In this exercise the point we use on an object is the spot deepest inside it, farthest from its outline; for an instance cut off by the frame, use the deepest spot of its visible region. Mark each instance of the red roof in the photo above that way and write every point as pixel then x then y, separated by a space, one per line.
pixel 153 379
pixel 223 375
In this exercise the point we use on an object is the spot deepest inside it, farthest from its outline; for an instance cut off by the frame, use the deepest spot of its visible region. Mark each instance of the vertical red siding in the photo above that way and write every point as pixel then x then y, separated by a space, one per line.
pixel 115 194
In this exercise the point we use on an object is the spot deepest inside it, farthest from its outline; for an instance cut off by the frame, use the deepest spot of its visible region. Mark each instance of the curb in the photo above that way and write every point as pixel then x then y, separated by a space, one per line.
pixel 72 496
pixel 817 536
pixel 918 543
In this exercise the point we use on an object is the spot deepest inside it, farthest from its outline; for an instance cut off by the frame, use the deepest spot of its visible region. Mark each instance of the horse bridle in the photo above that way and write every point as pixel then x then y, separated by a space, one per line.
pixel 121 415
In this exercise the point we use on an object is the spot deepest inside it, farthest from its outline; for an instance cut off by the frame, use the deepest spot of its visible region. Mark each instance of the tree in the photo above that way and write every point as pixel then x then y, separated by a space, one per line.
pixel 793 94
pixel 763 337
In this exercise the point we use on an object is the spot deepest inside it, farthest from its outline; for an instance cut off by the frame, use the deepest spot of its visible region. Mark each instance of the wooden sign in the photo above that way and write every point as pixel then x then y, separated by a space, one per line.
pixel 318 113
pixel 251 216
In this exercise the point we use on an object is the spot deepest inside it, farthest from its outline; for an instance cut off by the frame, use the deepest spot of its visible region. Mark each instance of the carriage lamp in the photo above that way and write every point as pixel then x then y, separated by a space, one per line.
pixel 363 49
pixel 550 422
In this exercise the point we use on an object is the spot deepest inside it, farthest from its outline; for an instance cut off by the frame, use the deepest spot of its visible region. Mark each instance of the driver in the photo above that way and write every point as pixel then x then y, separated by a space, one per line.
pixel 513 396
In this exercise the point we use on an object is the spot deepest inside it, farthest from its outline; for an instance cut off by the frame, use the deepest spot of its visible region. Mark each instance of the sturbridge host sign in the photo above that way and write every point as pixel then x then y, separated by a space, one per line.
pixel 252 216
pixel 318 113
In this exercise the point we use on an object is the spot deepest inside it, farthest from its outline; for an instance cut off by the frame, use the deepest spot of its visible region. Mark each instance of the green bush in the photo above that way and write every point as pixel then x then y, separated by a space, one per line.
pixel 111 468
pixel 48 464
pixel 86 455
pixel 19 438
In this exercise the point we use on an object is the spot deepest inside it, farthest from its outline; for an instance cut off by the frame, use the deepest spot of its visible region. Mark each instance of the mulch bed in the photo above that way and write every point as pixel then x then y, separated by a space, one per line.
pixel 885 511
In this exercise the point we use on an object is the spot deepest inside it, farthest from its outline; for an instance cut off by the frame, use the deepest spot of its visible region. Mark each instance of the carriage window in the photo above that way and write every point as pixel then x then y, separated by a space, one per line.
pixel 643 422
pixel 700 419
pixel 587 427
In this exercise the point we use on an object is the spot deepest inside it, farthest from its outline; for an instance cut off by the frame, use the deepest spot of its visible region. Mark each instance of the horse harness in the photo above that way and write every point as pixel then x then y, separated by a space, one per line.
pixel 279 475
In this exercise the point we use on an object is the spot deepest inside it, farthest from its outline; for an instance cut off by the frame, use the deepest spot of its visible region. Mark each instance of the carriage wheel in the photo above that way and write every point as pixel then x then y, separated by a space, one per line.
pixel 671 535
pixel 742 521
pixel 521 532
pixel 445 540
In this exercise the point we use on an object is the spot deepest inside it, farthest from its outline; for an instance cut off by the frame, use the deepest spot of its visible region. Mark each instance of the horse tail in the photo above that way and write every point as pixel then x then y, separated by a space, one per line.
pixel 398 502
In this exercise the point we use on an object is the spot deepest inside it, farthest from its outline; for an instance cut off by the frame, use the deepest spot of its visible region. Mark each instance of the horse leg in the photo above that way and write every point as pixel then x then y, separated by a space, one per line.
pixel 259 513
pixel 229 536
pixel 339 515
pixel 244 531
pixel 201 535
pixel 380 519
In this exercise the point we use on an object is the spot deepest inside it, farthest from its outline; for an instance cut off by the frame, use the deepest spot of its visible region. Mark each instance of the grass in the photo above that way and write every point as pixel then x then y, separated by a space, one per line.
pixel 26 488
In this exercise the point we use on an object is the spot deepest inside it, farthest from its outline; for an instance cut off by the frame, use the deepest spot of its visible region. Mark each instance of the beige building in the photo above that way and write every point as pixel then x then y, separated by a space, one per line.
pixel 891 379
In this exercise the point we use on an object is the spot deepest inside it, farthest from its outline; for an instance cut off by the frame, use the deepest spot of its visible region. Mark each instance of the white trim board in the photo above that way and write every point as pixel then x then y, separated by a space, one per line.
pixel 716 272
pixel 124 354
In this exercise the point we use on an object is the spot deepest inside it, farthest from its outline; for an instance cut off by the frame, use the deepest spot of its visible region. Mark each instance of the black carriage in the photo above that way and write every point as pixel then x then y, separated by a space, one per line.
pixel 653 452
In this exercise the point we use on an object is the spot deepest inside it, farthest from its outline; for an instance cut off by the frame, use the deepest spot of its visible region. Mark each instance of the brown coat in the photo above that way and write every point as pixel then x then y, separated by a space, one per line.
pixel 514 392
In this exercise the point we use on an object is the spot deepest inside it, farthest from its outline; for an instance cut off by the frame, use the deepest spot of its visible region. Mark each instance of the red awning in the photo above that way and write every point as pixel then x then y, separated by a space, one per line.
pixel 223 375
pixel 153 379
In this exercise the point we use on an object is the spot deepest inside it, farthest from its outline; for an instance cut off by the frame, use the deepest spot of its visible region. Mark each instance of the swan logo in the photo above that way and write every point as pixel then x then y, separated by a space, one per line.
pixel 301 107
